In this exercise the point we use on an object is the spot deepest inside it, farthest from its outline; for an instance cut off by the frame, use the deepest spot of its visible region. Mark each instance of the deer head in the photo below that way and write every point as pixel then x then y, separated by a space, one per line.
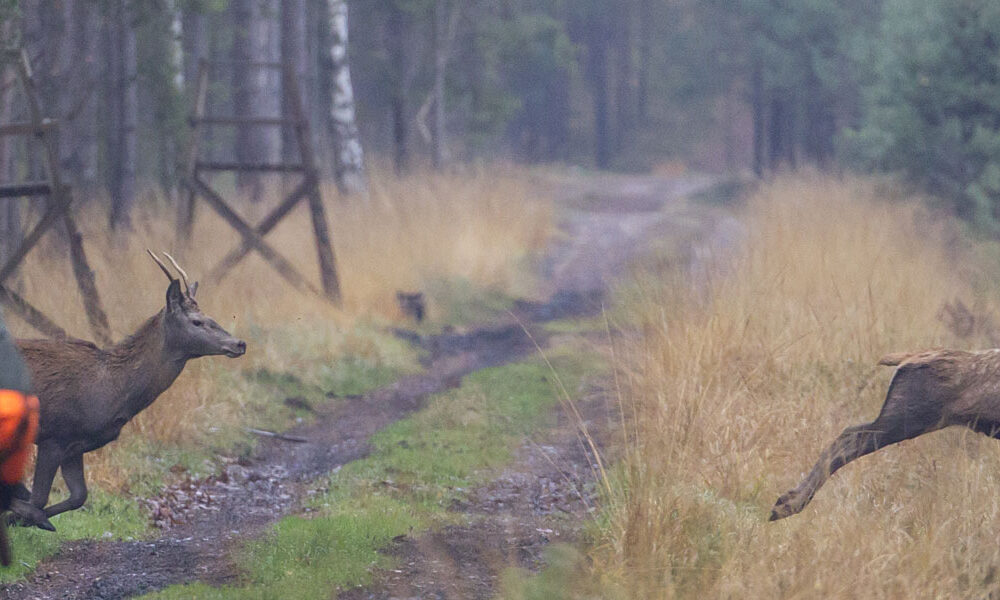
pixel 188 331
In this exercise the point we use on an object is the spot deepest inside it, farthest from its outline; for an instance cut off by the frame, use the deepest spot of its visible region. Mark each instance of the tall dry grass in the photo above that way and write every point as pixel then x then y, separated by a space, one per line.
pixel 476 226
pixel 736 388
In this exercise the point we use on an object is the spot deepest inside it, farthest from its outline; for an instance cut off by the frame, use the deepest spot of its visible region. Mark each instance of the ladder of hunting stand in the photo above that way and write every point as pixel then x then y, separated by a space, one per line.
pixel 58 198
pixel 309 188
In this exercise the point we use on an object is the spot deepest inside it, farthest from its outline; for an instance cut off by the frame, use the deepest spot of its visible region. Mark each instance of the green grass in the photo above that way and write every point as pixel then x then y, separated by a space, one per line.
pixel 103 517
pixel 559 580
pixel 460 302
pixel 417 468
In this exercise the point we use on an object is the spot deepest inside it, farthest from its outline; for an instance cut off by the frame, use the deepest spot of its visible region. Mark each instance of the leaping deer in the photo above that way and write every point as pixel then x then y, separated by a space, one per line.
pixel 930 390
pixel 87 394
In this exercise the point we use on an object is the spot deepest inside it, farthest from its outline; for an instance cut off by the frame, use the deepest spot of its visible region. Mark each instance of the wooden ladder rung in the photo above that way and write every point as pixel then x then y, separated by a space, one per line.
pixel 241 166
pixel 29 188
pixel 26 128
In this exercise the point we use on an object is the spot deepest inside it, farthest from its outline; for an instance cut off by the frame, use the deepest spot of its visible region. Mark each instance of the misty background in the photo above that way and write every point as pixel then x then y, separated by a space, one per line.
pixel 903 86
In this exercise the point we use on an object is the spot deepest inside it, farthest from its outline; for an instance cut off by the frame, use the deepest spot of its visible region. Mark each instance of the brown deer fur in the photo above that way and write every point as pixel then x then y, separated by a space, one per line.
pixel 929 391
pixel 87 394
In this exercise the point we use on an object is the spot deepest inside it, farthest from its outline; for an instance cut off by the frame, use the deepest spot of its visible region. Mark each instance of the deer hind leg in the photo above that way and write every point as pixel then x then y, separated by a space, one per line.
pixel 900 419
pixel 72 472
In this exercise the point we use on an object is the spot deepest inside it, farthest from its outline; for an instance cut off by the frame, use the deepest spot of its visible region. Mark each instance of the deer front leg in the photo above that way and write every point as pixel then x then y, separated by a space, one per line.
pixel 853 443
pixel 72 472
pixel 50 455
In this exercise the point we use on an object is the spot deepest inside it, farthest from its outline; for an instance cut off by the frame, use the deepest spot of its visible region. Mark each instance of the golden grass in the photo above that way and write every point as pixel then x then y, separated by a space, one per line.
pixel 734 393
pixel 476 226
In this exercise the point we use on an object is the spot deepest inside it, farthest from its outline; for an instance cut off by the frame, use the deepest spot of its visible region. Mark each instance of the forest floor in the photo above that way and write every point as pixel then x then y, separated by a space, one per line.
pixel 542 493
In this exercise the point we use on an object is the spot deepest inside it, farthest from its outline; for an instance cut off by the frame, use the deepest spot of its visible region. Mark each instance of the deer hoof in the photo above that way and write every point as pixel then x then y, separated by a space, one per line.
pixel 27 515
pixel 787 505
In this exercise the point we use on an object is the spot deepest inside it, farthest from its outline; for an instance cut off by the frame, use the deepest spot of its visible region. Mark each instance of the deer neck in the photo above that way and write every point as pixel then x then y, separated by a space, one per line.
pixel 142 366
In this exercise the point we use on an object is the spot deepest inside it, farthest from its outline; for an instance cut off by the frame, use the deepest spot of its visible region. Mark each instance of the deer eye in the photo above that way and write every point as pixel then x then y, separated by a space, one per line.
pixel 197 323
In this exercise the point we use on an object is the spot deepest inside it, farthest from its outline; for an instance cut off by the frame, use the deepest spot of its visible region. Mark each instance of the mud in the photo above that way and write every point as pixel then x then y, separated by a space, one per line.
pixel 544 496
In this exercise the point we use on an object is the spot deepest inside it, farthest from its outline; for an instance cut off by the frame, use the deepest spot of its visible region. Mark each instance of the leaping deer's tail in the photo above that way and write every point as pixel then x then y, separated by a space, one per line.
pixel 896 358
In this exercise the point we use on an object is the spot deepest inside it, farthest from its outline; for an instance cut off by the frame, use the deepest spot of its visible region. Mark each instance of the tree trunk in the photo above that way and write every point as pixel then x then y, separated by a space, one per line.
pixel 81 140
pixel 255 89
pixel 193 47
pixel 348 155
pixel 597 51
pixel 176 45
pixel 294 52
pixel 122 97
pixel 624 75
pixel 399 104
pixel 438 148
pixel 10 221
pixel 645 57
pixel 759 130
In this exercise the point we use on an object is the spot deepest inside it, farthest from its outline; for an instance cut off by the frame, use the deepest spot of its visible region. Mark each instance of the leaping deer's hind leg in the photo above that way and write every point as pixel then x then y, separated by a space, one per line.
pixel 899 420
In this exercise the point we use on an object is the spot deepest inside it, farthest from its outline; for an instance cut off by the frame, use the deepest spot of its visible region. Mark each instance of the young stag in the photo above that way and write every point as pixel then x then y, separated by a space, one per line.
pixel 87 394
pixel 930 390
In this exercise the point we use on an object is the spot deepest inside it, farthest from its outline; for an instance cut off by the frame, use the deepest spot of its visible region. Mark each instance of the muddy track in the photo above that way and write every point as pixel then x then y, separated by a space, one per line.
pixel 520 507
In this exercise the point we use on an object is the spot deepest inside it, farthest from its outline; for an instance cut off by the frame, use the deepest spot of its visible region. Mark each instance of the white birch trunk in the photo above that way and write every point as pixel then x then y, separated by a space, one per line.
pixel 177 45
pixel 348 154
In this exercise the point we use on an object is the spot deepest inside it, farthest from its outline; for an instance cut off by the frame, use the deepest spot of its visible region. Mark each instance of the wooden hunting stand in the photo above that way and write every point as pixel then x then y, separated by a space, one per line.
pixel 253 236
pixel 57 198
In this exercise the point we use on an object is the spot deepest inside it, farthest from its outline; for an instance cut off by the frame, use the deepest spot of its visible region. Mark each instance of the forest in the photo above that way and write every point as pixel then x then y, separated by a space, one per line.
pixel 502 299
pixel 753 85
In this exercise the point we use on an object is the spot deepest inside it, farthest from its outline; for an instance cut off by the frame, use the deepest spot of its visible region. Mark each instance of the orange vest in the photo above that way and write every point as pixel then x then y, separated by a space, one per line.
pixel 18 426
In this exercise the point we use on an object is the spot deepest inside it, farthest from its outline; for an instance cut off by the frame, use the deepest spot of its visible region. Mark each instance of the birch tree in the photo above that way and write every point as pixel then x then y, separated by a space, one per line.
pixel 348 155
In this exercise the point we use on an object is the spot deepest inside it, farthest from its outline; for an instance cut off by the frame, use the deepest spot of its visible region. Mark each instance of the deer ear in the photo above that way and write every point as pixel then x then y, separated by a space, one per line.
pixel 174 296
pixel 193 290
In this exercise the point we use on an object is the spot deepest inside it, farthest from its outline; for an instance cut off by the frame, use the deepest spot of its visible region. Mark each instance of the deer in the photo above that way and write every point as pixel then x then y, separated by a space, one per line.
pixel 87 394
pixel 930 390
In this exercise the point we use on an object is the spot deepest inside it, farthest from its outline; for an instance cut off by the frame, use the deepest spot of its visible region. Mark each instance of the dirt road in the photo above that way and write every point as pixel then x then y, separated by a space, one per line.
pixel 533 502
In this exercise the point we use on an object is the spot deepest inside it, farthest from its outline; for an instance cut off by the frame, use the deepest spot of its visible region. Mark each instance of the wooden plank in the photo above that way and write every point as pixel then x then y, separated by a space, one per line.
pixel 44 224
pixel 31 315
pixel 186 207
pixel 280 264
pixel 88 286
pixel 238 166
pixel 270 222
pixel 28 188
pixel 324 245
pixel 26 128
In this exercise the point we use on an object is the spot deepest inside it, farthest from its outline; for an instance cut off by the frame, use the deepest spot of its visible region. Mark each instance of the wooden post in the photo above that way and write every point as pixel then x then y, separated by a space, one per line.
pixel 324 246
pixel 85 281
pixel 186 205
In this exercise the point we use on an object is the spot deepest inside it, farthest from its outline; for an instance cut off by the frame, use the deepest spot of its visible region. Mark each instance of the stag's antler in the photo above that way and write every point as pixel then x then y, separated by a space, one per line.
pixel 184 276
pixel 166 271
